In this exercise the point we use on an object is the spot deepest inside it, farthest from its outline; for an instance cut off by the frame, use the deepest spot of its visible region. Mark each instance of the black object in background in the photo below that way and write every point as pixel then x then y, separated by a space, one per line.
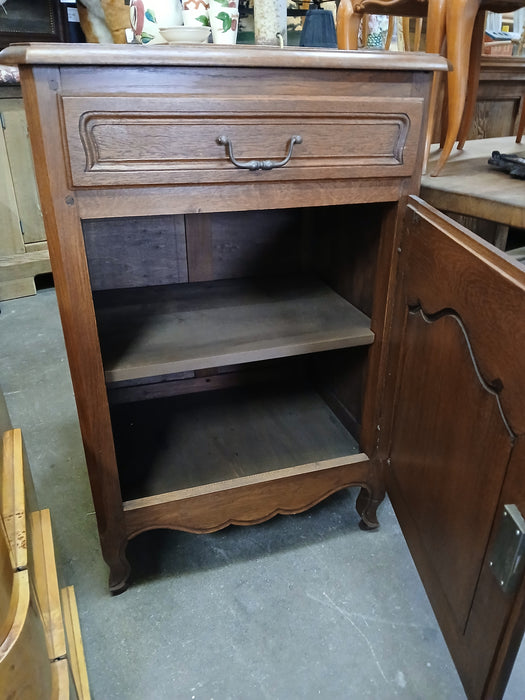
pixel 319 29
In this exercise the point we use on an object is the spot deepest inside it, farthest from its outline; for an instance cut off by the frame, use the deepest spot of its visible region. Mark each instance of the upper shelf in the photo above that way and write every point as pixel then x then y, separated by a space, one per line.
pixel 147 332
pixel 217 55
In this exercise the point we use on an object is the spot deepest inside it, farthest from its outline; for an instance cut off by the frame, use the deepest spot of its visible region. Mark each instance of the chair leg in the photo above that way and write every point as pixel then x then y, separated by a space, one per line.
pixel 473 78
pixel 365 30
pixel 390 31
pixel 405 24
pixel 417 34
pixel 521 123
pixel 434 44
pixel 347 25
pixel 460 19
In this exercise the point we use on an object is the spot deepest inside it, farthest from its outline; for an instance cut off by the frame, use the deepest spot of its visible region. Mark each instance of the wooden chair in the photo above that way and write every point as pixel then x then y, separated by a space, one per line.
pixel 459 22
pixel 405 27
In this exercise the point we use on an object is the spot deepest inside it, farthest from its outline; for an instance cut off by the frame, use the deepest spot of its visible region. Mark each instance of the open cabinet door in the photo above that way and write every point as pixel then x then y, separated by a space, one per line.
pixel 456 454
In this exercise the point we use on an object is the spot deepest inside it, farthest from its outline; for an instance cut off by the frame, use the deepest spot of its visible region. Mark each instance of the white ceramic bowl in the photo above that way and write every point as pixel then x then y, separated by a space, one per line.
pixel 185 35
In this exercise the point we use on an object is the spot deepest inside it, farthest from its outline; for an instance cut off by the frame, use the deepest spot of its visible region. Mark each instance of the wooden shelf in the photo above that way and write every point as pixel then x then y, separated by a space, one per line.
pixel 146 332
pixel 182 442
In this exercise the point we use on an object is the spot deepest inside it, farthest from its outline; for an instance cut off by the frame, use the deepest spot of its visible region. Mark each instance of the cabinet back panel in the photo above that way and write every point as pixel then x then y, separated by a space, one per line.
pixel 341 382
pixel 244 244
pixel 345 241
pixel 135 252
pixel 147 251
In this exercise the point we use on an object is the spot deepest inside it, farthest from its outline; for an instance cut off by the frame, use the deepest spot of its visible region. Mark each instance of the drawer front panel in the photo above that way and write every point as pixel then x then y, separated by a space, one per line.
pixel 147 141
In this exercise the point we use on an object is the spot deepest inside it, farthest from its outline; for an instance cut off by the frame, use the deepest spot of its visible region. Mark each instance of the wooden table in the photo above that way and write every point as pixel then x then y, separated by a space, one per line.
pixel 469 186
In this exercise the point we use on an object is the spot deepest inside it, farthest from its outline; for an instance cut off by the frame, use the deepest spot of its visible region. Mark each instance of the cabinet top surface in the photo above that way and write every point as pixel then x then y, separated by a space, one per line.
pixel 216 55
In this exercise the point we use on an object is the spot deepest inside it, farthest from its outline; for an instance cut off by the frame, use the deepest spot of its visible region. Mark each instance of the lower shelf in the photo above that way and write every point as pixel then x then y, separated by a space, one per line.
pixel 183 442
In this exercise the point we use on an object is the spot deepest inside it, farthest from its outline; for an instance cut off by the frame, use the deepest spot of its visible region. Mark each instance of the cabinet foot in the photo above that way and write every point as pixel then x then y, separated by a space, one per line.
pixel 366 507
pixel 118 588
pixel 119 571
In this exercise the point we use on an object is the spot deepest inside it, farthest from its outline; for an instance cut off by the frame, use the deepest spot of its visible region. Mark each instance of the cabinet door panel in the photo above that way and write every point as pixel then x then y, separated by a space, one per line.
pixel 458 432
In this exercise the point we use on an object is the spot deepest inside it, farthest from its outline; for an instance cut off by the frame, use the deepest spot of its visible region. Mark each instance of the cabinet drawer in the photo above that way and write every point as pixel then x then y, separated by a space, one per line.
pixel 126 141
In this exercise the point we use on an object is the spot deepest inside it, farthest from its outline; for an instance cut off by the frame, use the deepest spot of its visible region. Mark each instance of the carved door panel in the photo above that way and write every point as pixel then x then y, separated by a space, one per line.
pixel 457 447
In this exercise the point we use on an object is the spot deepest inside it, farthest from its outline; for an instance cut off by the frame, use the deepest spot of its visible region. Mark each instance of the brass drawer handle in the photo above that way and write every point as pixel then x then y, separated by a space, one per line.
pixel 258 164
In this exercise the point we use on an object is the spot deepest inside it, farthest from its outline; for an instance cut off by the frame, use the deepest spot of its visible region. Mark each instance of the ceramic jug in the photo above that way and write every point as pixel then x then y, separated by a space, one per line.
pixel 147 16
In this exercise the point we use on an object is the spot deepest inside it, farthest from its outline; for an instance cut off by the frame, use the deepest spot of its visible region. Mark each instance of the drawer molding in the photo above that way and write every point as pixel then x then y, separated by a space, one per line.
pixel 169 145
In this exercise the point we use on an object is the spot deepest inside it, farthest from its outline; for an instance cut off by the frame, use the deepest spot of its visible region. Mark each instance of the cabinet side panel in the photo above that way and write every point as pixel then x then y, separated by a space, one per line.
pixel 71 276
pixel 344 244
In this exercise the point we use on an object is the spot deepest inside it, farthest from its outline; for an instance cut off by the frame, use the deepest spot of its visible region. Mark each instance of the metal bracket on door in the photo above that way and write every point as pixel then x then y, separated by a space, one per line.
pixel 507 556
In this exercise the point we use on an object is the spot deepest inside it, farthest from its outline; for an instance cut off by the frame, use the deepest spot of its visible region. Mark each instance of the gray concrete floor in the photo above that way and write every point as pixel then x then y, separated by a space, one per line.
pixel 301 607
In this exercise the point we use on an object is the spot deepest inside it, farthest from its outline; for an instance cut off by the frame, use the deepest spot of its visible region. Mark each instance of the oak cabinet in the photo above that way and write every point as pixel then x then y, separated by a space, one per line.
pixel 258 310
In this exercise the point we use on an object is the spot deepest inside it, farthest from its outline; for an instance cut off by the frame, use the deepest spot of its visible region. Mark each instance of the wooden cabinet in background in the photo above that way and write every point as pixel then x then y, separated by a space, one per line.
pixel 23 247
pixel 258 311
pixel 498 99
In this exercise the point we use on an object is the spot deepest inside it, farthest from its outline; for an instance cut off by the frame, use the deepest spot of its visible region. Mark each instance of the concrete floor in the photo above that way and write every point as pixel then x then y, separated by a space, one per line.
pixel 301 607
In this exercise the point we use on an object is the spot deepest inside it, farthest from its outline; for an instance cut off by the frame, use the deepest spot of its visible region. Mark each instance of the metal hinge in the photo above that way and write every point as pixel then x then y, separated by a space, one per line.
pixel 507 556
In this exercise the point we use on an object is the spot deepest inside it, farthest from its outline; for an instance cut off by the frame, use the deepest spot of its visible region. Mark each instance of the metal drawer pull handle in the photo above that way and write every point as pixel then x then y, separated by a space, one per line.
pixel 258 164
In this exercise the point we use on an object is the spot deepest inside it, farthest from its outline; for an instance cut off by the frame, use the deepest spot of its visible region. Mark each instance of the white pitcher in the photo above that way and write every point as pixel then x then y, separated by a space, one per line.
pixel 147 16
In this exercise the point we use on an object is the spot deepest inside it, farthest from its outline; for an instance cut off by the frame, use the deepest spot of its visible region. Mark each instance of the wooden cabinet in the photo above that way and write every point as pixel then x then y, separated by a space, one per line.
pixel 258 312
pixel 23 247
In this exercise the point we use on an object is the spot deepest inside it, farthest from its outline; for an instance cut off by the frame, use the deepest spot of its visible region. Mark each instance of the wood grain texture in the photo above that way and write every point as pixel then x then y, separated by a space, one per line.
pixel 106 142
pixel 8 584
pixel 189 199
pixel 213 55
pixel 61 686
pixel 18 272
pixel 469 186
pixel 45 581
pixel 24 662
pixel 501 87
pixel 255 243
pixel 25 670
pixel 22 170
pixel 135 252
pixel 11 241
pixel 13 507
pixel 71 278
pixel 161 330
pixel 453 355
pixel 437 365
pixel 20 216
pixel 186 441
pixel 473 268
pixel 497 621
pixel 230 233
pixel 75 647
pixel 247 502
